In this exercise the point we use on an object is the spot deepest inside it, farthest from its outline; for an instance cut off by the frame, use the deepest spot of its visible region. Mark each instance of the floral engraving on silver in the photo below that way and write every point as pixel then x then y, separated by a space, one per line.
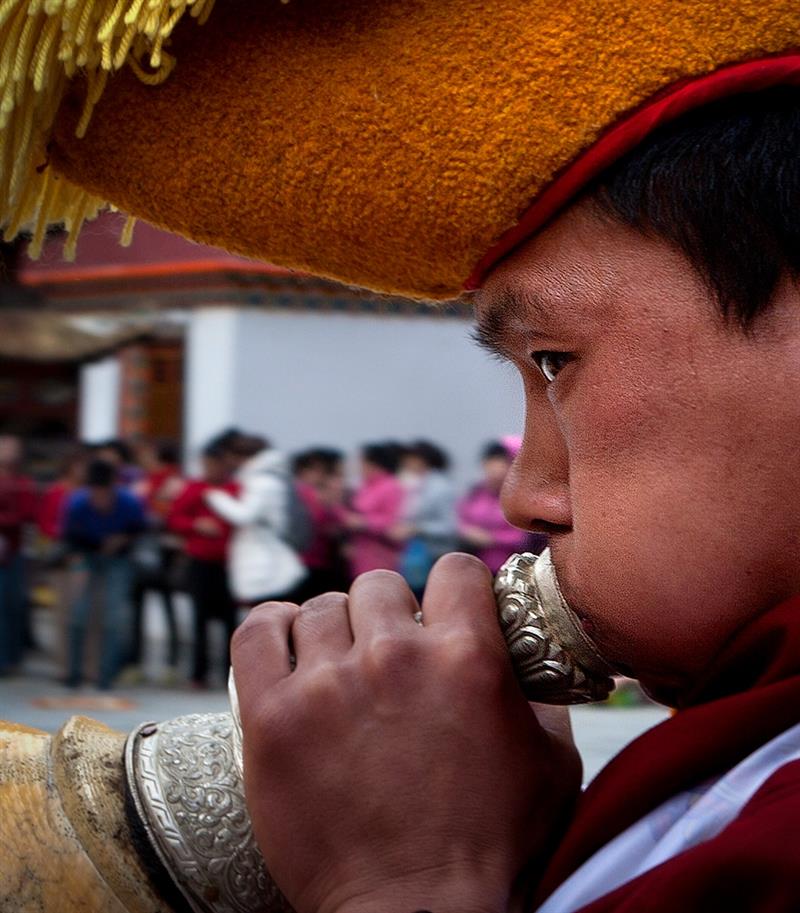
pixel 187 787
pixel 554 659
pixel 237 735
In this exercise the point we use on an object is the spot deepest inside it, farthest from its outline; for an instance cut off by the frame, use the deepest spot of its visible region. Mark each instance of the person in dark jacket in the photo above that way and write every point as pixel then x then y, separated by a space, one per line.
pixel 101 523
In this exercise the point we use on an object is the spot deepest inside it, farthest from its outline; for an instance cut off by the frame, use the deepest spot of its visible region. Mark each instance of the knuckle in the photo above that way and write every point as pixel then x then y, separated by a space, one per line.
pixel 465 654
pixel 387 656
pixel 312 614
pixel 324 686
pixel 262 624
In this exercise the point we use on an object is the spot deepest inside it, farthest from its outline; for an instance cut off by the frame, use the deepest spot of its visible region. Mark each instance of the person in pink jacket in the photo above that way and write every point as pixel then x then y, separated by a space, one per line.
pixel 377 510
pixel 482 525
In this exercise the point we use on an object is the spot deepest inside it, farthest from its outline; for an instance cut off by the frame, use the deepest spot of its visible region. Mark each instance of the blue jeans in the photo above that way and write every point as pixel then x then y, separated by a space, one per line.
pixel 12 614
pixel 113 576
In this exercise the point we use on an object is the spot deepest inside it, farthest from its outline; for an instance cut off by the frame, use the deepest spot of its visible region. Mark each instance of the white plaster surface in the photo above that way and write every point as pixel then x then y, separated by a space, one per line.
pixel 99 400
pixel 305 379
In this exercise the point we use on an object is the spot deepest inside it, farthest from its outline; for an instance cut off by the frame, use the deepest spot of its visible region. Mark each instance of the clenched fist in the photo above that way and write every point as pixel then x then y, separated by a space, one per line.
pixel 398 767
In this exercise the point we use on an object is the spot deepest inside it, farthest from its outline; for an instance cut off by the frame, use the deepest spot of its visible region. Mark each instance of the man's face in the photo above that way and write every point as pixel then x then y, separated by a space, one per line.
pixel 662 457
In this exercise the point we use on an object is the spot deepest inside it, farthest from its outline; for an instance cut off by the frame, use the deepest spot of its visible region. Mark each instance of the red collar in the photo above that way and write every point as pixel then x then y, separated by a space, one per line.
pixel 750 695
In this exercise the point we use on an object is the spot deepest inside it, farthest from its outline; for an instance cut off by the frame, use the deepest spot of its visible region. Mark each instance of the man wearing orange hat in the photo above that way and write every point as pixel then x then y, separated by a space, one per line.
pixel 618 184
pixel 655 327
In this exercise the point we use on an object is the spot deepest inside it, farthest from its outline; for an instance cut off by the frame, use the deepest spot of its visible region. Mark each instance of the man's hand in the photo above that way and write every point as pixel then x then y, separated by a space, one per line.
pixel 398 767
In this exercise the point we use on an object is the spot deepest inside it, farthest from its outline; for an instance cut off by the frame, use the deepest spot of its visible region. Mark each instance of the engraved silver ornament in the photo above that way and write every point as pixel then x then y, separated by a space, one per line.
pixel 553 657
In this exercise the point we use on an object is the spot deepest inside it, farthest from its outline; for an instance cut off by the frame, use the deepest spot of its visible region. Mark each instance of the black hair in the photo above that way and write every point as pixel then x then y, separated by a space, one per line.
pixel 213 450
pixel 496 449
pixel 722 185
pixel 326 458
pixel 228 438
pixel 433 457
pixel 385 454
pixel 120 447
pixel 248 445
pixel 168 452
pixel 100 474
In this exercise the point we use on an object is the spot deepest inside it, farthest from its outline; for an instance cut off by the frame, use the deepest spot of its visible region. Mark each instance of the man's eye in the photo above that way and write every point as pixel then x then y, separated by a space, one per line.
pixel 550 363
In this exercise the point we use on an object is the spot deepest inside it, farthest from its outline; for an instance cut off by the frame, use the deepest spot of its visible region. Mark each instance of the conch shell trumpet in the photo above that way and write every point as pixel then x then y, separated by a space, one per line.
pixel 91 819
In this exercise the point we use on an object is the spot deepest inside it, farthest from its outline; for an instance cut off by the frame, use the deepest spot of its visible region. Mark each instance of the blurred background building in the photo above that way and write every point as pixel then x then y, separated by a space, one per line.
pixel 169 339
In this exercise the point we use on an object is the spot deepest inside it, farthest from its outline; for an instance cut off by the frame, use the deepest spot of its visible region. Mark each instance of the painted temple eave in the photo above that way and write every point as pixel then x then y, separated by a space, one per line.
pixel 161 271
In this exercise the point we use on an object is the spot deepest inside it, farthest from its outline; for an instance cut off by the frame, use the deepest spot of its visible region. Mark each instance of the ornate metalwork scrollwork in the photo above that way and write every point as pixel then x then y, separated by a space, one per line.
pixel 554 659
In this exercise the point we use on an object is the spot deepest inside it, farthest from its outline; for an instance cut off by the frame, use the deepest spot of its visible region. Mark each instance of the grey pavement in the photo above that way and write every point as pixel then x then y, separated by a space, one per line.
pixel 601 731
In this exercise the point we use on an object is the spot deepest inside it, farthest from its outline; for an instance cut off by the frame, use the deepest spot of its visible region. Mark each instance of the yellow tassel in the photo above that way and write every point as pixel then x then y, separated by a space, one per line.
pixel 41 62
pixel 43 44
pixel 126 238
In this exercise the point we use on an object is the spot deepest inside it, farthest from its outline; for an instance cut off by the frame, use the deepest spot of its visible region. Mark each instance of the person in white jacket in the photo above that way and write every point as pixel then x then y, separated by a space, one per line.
pixel 262 565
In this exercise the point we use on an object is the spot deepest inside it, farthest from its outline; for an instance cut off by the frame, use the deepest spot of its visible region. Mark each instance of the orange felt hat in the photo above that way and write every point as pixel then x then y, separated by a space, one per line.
pixel 402 145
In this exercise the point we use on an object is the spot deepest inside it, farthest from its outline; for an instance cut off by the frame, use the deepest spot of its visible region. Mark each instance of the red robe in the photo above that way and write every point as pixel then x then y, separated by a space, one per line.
pixel 750 695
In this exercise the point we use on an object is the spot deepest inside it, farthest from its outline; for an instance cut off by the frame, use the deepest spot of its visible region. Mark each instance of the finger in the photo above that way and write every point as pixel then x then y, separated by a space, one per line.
pixel 380 602
pixel 460 591
pixel 321 630
pixel 260 648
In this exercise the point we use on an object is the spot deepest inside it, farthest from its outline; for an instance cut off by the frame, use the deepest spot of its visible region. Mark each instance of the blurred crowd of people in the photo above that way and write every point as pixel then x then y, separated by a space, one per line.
pixel 123 525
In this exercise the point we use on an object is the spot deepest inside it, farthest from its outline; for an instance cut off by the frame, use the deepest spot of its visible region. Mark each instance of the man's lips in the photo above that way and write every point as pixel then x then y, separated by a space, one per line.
pixel 574 604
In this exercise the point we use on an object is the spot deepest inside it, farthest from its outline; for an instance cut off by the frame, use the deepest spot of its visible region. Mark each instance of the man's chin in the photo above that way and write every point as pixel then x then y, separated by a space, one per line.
pixel 612 646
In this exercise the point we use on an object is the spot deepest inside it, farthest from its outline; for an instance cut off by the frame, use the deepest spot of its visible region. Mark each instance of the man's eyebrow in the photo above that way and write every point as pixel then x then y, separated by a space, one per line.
pixel 490 328
pixel 496 318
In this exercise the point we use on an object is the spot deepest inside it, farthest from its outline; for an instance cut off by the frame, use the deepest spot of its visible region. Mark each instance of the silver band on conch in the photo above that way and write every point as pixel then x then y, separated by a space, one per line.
pixel 554 659
pixel 186 783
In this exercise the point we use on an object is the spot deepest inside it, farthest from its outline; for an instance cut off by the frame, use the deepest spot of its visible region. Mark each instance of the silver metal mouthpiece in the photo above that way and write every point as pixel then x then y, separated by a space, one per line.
pixel 553 657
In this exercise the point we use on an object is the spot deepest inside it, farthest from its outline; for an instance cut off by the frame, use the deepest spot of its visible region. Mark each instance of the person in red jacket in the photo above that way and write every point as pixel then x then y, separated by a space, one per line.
pixel 205 541
pixel 53 501
pixel 17 509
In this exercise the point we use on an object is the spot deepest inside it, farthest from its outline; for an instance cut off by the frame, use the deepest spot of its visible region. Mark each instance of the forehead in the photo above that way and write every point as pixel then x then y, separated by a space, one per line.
pixel 587 272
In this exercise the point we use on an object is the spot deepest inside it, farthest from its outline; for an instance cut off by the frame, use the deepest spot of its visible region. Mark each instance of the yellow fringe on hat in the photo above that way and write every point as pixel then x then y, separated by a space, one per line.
pixel 44 44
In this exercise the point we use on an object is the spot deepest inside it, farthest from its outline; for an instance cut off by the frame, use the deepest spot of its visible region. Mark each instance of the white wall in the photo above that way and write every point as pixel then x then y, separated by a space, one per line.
pixel 346 379
pixel 98 417
pixel 210 375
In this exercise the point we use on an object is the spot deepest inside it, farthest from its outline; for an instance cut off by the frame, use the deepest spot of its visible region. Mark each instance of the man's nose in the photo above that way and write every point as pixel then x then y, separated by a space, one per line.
pixel 536 492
